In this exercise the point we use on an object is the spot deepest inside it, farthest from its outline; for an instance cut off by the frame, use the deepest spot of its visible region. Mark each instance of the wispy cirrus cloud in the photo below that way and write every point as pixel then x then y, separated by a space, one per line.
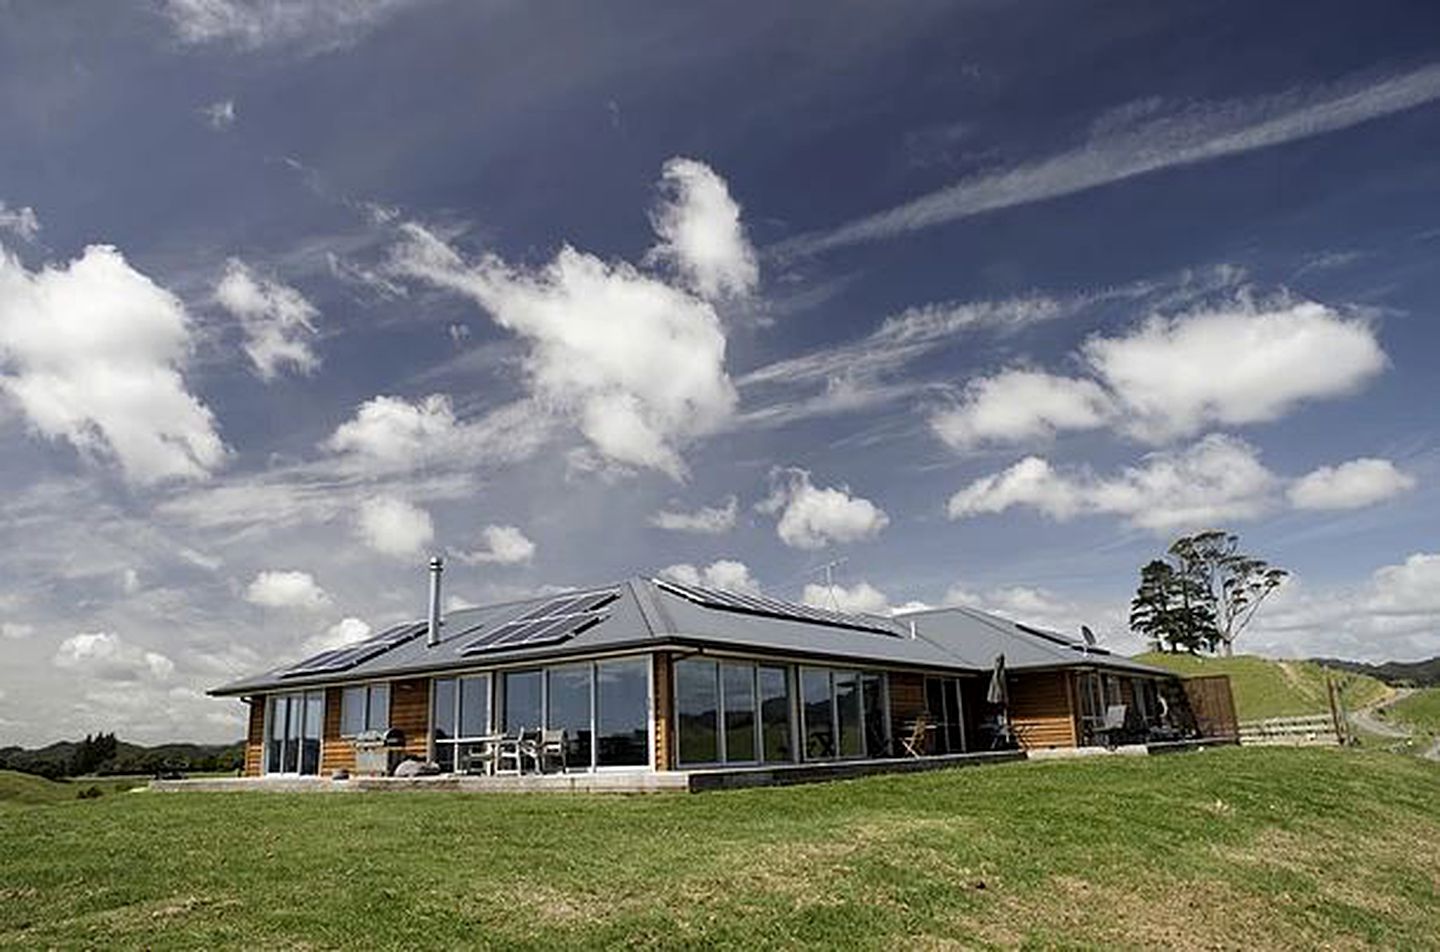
pixel 1147 140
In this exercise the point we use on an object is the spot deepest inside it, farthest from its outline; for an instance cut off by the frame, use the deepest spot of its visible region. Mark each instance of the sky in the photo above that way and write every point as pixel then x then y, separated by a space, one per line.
pixel 974 303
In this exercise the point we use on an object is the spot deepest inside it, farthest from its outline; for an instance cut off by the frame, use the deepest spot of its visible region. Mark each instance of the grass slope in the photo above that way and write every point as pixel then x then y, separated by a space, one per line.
pixel 1267 688
pixel 1420 710
pixel 28 789
pixel 1223 848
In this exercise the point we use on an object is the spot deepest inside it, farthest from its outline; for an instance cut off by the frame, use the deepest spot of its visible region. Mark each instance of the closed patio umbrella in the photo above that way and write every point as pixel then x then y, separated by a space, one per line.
pixel 997 693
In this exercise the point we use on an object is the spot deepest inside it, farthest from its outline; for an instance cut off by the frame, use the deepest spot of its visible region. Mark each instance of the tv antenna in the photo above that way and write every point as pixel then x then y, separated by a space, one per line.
pixel 829 569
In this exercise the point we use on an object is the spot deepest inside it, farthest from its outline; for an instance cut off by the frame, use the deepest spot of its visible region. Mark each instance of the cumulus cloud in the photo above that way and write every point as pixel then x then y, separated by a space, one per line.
pixel 313 25
pixel 707 520
pixel 286 589
pixel 109 657
pixel 16 630
pixel 21 222
pixel 392 526
pixel 598 332
pixel 219 115
pixel 346 631
pixel 278 321
pixel 727 574
pixel 503 545
pixel 860 597
pixel 700 233
pixel 812 517
pixel 1246 363
pixel 1021 405
pixel 393 430
pixel 1216 480
pixel 1360 482
pixel 91 352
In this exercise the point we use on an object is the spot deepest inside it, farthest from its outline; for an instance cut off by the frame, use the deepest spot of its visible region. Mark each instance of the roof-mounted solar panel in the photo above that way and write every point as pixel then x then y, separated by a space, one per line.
pixel 347 657
pixel 772 607
pixel 547 623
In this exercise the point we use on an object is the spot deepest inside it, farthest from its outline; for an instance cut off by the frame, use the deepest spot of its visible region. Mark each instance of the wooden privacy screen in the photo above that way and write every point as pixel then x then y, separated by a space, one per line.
pixel 1213 705
pixel 1040 709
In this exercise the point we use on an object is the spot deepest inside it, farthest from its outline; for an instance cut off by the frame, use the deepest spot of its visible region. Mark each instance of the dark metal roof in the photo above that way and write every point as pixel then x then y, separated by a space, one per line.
pixel 650 615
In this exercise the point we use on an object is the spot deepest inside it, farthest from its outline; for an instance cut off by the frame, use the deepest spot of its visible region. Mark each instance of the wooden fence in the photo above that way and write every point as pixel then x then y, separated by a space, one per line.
pixel 1311 730
pixel 1211 705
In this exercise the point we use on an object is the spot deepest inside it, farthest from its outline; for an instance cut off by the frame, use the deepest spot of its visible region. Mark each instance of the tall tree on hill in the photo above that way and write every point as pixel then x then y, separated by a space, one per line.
pixel 1171 611
pixel 1233 584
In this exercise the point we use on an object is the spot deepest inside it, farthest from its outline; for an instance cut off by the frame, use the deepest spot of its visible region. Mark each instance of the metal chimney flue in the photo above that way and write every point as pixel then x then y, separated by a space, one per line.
pixel 432 634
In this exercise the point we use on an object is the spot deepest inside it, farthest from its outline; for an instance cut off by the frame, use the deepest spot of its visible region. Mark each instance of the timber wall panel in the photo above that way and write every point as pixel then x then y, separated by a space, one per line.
pixel 255 738
pixel 664 711
pixel 1040 709
pixel 336 753
pixel 1212 705
pixel 410 713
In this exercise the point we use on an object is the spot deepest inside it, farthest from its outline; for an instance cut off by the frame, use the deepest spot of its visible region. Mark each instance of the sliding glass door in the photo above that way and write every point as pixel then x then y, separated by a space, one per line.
pixel 732 712
pixel 296 724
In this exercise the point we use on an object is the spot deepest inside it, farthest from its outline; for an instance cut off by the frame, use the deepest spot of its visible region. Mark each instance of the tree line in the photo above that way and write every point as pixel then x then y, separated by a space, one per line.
pixel 104 755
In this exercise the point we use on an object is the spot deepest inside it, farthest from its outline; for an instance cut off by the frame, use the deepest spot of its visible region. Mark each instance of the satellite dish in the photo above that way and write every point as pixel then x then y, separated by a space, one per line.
pixel 1088 635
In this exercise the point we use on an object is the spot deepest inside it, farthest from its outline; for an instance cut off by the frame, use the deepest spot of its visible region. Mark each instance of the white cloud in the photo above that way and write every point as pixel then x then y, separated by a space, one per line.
pixel 91 352
pixel 219 115
pixel 1360 482
pixel 707 520
pixel 130 581
pixel 700 231
pixel 860 597
pixel 21 222
pixel 1021 405
pixel 1147 140
pixel 392 526
pixel 812 517
pixel 1246 363
pixel 392 430
pixel 598 333
pixel 726 574
pixel 109 657
pixel 286 589
pixel 278 321
pixel 346 631
pixel 1216 480
pixel 316 25
pixel 16 630
pixel 504 545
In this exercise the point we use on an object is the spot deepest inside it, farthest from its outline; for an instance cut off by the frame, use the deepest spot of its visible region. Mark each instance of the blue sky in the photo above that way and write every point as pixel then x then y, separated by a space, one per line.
pixel 988 300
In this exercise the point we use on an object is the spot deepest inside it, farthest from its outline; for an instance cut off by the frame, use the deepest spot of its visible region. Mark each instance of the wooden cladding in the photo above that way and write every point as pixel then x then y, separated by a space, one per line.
pixel 1041 709
pixel 1212 705
pixel 664 711
pixel 907 700
pixel 255 738
pixel 410 714
pixel 336 753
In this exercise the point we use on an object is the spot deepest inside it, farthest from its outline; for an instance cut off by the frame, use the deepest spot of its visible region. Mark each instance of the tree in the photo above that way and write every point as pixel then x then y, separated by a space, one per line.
pixel 1233 584
pixel 1170 610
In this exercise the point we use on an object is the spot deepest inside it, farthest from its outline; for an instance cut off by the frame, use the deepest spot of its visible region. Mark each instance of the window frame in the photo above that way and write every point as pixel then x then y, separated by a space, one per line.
pixel 369 688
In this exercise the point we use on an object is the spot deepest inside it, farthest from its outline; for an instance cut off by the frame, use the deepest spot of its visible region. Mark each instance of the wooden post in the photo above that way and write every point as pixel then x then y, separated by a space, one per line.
pixel 1333 696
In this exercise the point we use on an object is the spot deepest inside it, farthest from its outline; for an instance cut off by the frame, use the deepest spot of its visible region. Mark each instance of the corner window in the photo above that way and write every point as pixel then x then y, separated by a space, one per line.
pixel 364 707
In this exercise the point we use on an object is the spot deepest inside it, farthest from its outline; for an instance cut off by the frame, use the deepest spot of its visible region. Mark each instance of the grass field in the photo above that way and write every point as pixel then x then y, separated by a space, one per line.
pixel 28 789
pixel 1420 710
pixel 1254 848
pixel 1267 688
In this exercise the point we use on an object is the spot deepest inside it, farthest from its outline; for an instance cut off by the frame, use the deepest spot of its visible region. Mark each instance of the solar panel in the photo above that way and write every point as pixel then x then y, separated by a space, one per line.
pixel 342 659
pixel 555 620
pixel 771 607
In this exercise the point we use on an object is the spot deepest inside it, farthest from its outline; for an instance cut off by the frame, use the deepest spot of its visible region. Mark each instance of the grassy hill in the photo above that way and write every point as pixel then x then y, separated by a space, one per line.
pixel 1228 848
pixel 22 788
pixel 1420 710
pixel 1268 688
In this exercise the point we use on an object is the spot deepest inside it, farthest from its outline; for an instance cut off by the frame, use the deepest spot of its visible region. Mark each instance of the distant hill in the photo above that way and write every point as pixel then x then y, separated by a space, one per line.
pixel 68 758
pixel 1420 674
pixel 1264 687
pixel 29 789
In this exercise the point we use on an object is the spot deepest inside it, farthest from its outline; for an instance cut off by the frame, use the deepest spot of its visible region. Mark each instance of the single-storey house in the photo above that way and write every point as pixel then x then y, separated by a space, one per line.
pixel 653 675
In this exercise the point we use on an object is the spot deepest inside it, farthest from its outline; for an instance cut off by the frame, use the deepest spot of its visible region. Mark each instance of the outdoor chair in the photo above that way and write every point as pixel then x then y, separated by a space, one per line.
pixel 549 746
pixel 914 744
pixel 478 757
pixel 508 751
pixel 1112 724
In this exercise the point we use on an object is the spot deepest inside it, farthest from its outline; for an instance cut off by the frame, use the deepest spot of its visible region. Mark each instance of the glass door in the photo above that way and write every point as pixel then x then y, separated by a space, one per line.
pixel 296 723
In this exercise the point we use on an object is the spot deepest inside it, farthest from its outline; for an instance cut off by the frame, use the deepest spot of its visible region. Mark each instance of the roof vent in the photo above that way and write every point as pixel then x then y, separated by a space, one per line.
pixel 432 631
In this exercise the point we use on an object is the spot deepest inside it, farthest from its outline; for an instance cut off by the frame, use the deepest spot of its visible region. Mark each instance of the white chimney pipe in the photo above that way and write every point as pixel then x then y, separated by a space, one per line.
pixel 437 565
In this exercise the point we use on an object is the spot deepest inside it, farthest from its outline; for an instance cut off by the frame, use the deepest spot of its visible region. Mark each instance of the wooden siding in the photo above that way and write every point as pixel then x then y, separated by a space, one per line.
pixel 907 702
pixel 255 738
pixel 410 713
pixel 1041 710
pixel 336 753
pixel 1212 705
pixel 664 711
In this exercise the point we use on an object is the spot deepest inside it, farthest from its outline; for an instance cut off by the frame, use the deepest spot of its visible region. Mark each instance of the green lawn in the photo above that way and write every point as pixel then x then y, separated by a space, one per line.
pixel 1229 848
pixel 1268 688
pixel 28 789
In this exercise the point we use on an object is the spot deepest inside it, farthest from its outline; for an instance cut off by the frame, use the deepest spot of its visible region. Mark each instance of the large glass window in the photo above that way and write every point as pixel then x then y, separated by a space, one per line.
pixel 847 702
pixel 942 702
pixel 442 721
pixel 697 711
pixel 775 714
pixel 738 685
pixel 817 713
pixel 568 708
pixel 622 712
pixel 474 713
pixel 310 743
pixel 877 723
pixel 296 723
pixel 522 709
pixel 364 707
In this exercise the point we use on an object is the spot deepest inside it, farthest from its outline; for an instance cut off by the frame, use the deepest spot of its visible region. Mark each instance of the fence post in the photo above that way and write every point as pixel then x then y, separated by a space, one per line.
pixel 1332 696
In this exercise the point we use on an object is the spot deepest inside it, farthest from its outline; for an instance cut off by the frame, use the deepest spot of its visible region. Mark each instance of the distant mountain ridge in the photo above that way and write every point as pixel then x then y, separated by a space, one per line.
pixel 1418 674
pixel 71 758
